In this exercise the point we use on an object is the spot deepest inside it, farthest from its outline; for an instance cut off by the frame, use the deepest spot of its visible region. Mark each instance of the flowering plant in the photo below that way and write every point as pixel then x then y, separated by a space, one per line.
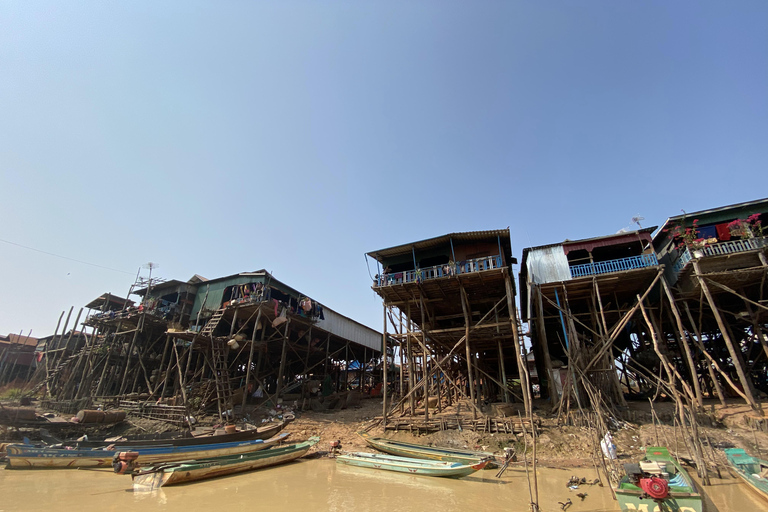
pixel 689 237
pixel 746 228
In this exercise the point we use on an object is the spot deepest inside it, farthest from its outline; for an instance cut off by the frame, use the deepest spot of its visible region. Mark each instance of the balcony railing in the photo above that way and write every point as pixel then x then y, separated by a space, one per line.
pixel 620 265
pixel 438 271
pixel 720 249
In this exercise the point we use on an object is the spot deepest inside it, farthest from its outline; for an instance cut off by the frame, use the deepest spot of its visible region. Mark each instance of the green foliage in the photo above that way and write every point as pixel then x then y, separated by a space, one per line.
pixel 11 394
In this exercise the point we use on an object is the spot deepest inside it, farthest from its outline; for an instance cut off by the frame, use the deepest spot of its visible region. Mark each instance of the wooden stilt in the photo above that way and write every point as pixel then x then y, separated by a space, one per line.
pixel 127 361
pixel 542 340
pixel 684 342
pixel 250 361
pixel 468 351
pixel 384 368
pixel 281 372
pixel 735 355
pixel 521 364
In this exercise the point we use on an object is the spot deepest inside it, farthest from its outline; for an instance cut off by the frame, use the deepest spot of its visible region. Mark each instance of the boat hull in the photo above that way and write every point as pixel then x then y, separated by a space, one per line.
pixel 23 456
pixel 427 452
pixel 409 465
pixel 631 502
pixel 746 467
pixel 148 479
pixel 681 498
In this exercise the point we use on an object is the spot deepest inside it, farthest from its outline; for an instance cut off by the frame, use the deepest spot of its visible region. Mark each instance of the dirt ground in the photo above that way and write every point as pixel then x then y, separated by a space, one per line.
pixel 557 445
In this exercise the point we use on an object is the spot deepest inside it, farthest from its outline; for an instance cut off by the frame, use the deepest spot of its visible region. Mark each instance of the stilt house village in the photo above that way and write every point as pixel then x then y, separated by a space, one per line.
pixel 663 325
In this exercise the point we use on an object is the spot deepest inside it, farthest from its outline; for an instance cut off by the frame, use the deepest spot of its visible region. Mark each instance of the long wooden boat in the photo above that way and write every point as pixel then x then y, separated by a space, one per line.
pixel 153 477
pixel 656 483
pixel 409 465
pixel 26 456
pixel 752 470
pixel 418 451
pixel 174 438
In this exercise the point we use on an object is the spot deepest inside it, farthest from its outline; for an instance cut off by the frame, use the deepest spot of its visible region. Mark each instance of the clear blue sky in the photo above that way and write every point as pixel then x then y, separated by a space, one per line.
pixel 220 137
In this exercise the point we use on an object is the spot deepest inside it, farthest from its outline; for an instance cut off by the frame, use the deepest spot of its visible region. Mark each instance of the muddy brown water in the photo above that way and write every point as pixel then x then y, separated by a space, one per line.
pixel 321 485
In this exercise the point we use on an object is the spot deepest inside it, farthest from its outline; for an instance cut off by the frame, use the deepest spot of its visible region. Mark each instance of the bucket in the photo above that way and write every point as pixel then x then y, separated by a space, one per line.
pixel 230 429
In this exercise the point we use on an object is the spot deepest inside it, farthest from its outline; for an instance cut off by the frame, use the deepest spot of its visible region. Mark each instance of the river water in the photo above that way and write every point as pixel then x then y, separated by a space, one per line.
pixel 321 485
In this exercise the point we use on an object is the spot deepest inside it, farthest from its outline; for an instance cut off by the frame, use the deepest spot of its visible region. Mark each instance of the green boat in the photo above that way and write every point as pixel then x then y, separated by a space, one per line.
pixel 657 484
pixel 419 451
pixel 161 475
pixel 753 471
pixel 408 465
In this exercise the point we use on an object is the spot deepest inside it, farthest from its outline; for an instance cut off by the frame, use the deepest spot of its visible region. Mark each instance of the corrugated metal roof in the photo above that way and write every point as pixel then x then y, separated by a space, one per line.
pixel 439 241
pixel 344 327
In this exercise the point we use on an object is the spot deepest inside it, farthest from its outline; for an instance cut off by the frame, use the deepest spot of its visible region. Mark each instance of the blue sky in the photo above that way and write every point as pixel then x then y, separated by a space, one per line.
pixel 220 137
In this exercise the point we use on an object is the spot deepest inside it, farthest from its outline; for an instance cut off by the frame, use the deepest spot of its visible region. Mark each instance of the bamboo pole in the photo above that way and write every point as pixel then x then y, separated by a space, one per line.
pixel 250 361
pixel 468 351
pixel 551 386
pixel 521 364
pixel 686 346
pixel 384 364
pixel 735 355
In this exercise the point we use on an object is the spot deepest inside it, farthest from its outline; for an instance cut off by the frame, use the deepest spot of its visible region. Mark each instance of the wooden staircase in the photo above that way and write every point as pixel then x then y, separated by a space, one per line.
pixel 212 323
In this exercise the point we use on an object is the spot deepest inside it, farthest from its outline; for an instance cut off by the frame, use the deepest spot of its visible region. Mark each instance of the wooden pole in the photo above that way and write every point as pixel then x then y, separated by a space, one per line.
pixel 521 364
pixel 128 360
pixel 713 363
pixel 468 351
pixel 383 368
pixel 250 361
pixel 424 358
pixel 60 353
pixel 686 346
pixel 281 371
pixel 181 376
pixel 411 368
pixel 47 347
pixel 542 332
pixel 735 355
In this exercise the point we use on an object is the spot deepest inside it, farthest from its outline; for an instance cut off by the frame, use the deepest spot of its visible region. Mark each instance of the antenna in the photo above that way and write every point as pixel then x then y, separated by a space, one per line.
pixel 151 265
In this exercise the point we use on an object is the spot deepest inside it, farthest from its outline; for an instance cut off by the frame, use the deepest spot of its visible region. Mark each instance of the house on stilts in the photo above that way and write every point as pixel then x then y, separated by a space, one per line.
pixel 450 323
pixel 227 343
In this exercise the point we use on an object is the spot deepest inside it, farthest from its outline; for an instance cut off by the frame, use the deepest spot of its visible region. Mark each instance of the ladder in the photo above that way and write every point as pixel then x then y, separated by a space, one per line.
pixel 212 323
pixel 219 353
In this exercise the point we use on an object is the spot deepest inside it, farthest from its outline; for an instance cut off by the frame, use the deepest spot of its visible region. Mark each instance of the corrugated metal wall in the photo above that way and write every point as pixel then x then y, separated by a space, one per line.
pixel 548 265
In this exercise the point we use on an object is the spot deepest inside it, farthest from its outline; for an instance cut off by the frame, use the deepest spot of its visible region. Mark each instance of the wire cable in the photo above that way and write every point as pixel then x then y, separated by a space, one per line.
pixel 65 257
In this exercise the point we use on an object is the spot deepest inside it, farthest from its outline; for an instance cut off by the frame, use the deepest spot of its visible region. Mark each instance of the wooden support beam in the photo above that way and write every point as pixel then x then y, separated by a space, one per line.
pixel 284 353
pixel 542 335
pixel 521 364
pixel 684 342
pixel 383 367
pixel 468 351
pixel 250 361
pixel 735 355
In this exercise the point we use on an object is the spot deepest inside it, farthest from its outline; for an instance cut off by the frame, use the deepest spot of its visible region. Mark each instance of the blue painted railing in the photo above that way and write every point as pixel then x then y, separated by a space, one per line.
pixel 462 267
pixel 620 265
pixel 721 249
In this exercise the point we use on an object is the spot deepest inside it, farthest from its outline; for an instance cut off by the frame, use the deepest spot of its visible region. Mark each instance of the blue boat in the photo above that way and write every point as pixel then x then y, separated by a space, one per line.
pixel 753 471
pixel 28 456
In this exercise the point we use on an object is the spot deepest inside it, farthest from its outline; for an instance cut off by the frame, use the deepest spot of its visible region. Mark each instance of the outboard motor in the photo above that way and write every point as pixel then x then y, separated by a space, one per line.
pixel 124 462
pixel 655 487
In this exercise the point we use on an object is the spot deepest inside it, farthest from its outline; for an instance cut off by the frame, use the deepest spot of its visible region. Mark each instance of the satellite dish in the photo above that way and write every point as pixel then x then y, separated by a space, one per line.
pixel 636 220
